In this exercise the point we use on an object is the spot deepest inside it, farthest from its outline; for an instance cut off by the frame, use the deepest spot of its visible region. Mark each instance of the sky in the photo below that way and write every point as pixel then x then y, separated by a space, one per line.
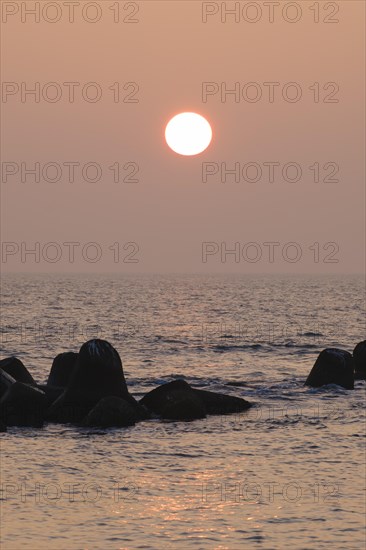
pixel 279 190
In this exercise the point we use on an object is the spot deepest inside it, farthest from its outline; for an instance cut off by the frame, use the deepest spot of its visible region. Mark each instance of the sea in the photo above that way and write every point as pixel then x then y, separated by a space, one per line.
pixel 288 473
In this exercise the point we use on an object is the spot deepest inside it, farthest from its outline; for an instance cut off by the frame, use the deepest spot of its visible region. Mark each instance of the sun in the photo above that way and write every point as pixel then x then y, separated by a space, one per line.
pixel 188 134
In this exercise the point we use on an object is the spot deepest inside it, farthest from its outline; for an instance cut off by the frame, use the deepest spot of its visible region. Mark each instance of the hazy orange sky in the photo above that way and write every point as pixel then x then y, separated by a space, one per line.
pixel 169 53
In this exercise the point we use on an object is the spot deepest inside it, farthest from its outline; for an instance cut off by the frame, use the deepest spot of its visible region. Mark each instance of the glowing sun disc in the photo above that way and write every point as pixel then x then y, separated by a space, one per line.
pixel 188 134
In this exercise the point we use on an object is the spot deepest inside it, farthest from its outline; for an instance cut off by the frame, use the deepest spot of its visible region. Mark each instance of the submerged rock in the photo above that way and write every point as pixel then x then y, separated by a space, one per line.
pixel 220 403
pixel 62 369
pixel 359 357
pixel 174 400
pixel 184 407
pixel 16 369
pixel 23 405
pixel 177 400
pixel 333 366
pixel 111 412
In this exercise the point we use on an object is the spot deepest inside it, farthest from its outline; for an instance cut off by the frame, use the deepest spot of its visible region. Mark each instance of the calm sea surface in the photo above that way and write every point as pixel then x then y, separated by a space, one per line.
pixel 290 473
